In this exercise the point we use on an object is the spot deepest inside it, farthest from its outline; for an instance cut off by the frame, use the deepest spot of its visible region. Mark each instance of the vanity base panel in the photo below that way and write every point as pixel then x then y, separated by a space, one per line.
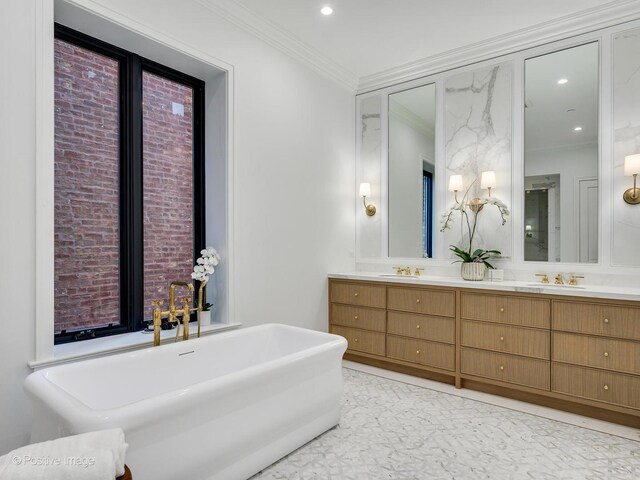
pixel 578 406
pixel 399 366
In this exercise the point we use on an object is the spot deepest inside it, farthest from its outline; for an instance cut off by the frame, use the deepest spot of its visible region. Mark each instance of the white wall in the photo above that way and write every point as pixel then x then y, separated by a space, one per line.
pixel 17 214
pixel 571 164
pixel 294 177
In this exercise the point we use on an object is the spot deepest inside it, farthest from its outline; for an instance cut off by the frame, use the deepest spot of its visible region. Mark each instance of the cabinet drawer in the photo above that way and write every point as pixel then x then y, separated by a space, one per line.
pixel 418 300
pixel 432 354
pixel 359 294
pixel 605 320
pixel 358 317
pixel 361 340
pixel 531 342
pixel 607 353
pixel 437 329
pixel 505 309
pixel 530 372
pixel 615 388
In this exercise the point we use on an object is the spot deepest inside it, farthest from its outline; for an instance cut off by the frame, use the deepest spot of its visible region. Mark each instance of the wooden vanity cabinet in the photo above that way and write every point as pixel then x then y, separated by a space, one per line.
pixel 573 353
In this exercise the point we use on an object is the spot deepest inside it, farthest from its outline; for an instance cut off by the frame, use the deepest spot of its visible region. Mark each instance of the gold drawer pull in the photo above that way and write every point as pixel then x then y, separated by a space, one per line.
pixel 356 294
pixel 355 340
pixel 418 327
pixel 355 317
pixel 418 352
pixel 417 300
pixel 606 387
pixel 606 320
pixel 606 354
pixel 501 310
pixel 502 339
pixel 501 367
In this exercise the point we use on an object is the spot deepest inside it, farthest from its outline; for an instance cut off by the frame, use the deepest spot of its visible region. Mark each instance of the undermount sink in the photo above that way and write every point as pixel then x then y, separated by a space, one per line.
pixel 397 276
pixel 553 285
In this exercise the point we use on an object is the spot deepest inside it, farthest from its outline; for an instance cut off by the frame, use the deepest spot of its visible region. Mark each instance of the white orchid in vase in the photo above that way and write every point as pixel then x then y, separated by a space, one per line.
pixel 205 266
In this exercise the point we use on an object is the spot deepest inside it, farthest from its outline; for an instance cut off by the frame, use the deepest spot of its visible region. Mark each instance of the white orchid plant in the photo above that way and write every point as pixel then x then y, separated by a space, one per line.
pixel 469 255
pixel 204 267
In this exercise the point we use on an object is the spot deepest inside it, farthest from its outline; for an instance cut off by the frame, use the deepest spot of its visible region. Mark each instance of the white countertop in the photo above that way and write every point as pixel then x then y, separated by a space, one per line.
pixel 590 291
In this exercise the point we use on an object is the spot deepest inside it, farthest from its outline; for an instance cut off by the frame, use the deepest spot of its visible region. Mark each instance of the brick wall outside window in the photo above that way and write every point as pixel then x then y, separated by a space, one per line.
pixel 86 232
pixel 168 186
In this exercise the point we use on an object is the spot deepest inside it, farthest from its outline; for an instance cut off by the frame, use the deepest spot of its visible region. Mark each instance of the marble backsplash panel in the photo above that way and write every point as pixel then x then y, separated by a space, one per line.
pixel 626 119
pixel 478 129
pixel 369 229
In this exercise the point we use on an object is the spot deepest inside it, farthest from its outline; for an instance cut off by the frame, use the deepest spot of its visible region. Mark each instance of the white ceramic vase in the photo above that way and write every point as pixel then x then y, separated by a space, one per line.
pixel 473 271
pixel 205 318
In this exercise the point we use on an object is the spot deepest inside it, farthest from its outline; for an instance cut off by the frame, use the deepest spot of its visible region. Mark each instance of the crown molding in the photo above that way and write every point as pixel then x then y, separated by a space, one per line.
pixel 607 15
pixel 281 39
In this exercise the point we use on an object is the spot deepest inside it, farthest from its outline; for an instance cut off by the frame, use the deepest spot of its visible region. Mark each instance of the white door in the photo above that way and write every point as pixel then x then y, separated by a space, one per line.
pixel 588 220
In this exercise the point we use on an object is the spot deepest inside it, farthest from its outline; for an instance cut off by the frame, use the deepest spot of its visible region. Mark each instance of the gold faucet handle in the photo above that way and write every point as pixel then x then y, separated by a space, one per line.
pixel 157 303
pixel 186 300
pixel 545 277
pixel 574 279
pixel 417 272
pixel 399 270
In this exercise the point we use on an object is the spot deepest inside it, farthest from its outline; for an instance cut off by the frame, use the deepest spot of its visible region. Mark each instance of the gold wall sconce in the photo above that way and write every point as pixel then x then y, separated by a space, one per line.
pixel 632 169
pixel 365 191
pixel 487 182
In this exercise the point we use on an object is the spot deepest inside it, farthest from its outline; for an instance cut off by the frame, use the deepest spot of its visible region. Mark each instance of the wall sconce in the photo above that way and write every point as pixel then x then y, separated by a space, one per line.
pixel 632 169
pixel 455 185
pixel 488 181
pixel 528 231
pixel 365 191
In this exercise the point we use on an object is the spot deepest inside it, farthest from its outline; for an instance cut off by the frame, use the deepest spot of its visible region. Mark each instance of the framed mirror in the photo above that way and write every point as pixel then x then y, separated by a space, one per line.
pixel 561 167
pixel 412 172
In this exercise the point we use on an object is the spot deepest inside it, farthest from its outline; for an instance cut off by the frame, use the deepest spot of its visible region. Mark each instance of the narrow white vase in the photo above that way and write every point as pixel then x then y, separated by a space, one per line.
pixel 205 318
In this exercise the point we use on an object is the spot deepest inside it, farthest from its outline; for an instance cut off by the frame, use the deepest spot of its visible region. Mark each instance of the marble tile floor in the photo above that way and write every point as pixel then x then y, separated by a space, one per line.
pixel 395 426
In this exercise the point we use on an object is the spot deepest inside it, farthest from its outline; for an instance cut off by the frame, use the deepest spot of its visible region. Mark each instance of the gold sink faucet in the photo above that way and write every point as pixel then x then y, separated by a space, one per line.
pixel 559 279
pixel 574 279
pixel 545 277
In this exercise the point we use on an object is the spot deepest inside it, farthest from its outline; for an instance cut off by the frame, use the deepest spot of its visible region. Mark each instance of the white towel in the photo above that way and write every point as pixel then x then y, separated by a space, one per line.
pixel 89 456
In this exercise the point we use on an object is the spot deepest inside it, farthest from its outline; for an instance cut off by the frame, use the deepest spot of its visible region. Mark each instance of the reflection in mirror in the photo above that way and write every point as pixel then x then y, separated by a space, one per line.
pixel 561 156
pixel 412 117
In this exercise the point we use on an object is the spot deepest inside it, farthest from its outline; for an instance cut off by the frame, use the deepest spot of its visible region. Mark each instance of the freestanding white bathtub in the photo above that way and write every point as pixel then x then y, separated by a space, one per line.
pixel 220 407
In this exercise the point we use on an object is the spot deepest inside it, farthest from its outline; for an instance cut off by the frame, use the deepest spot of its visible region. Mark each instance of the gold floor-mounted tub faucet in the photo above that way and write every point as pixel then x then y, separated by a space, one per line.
pixel 173 311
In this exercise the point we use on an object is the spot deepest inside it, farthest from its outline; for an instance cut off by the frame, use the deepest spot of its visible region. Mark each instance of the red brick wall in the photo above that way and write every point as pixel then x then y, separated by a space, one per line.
pixel 168 188
pixel 86 188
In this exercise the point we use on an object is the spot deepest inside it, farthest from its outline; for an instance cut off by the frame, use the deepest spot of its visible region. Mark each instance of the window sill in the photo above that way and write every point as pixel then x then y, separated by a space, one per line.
pixel 99 347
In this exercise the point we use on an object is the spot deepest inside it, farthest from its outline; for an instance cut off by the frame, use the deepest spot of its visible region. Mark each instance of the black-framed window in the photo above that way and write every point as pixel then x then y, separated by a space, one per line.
pixel 129 184
pixel 427 214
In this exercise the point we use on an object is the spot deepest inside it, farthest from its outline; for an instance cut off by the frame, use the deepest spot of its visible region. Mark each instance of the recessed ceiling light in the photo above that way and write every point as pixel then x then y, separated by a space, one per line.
pixel 577 129
pixel 562 81
pixel 326 10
